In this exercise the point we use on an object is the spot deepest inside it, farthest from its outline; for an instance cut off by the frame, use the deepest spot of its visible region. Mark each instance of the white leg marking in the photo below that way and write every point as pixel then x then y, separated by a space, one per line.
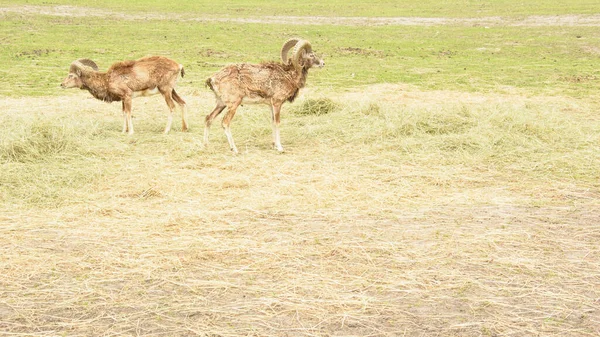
pixel 230 139
pixel 277 140
pixel 124 122
pixel 206 131
pixel 130 126
pixel 169 121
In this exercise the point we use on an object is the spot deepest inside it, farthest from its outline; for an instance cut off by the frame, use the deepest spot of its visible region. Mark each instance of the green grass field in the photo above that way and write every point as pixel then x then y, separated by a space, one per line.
pixel 381 8
pixel 35 50
pixel 447 186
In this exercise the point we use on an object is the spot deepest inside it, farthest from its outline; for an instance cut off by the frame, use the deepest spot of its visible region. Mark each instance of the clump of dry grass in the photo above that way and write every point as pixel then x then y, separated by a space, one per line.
pixel 522 136
pixel 371 109
pixel 27 141
pixel 47 158
pixel 316 107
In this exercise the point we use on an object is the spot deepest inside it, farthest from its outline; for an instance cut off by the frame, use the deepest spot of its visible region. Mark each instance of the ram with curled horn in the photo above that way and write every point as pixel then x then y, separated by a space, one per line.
pixel 128 79
pixel 271 83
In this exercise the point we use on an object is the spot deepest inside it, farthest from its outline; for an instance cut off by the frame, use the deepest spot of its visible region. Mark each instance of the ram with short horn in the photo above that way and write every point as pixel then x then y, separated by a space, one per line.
pixel 128 79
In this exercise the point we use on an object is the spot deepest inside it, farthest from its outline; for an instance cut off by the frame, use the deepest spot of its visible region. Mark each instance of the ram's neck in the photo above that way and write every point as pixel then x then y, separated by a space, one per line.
pixel 300 82
pixel 97 84
pixel 301 79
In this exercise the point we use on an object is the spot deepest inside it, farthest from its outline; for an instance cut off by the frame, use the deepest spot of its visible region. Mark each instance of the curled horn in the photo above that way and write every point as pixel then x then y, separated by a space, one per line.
pixel 286 49
pixel 300 49
pixel 83 63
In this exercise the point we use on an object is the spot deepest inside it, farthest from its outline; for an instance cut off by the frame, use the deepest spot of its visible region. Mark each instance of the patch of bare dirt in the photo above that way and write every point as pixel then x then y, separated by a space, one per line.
pixel 531 21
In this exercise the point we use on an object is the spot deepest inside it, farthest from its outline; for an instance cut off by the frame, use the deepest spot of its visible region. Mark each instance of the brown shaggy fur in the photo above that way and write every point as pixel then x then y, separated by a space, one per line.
pixel 126 79
pixel 271 83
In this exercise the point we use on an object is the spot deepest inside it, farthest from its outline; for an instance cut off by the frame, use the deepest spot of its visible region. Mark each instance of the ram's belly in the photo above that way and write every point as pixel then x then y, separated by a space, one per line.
pixel 147 92
pixel 255 99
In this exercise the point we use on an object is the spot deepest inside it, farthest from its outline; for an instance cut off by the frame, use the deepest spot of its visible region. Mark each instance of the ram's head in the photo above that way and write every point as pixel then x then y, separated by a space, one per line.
pixel 77 69
pixel 302 55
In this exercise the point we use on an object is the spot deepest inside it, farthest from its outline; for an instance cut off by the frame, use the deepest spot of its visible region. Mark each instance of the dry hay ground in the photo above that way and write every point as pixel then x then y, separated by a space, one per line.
pixel 328 239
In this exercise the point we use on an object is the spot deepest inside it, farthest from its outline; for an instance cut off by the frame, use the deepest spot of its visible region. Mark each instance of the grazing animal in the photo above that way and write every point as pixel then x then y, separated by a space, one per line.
pixel 270 83
pixel 126 80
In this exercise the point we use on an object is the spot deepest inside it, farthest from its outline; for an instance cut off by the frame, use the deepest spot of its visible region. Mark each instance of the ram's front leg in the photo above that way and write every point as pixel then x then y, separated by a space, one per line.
pixel 128 123
pixel 275 116
pixel 125 125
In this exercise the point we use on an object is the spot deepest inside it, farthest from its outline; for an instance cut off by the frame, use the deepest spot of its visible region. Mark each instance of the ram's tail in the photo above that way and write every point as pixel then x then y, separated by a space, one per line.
pixel 209 83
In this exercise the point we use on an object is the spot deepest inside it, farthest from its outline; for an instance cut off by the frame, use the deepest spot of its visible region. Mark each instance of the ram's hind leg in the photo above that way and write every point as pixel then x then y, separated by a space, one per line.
pixel 227 122
pixel 167 94
pixel 210 117
pixel 183 106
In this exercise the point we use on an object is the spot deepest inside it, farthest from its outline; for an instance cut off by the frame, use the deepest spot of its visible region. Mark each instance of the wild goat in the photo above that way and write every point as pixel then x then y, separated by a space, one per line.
pixel 129 79
pixel 270 83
